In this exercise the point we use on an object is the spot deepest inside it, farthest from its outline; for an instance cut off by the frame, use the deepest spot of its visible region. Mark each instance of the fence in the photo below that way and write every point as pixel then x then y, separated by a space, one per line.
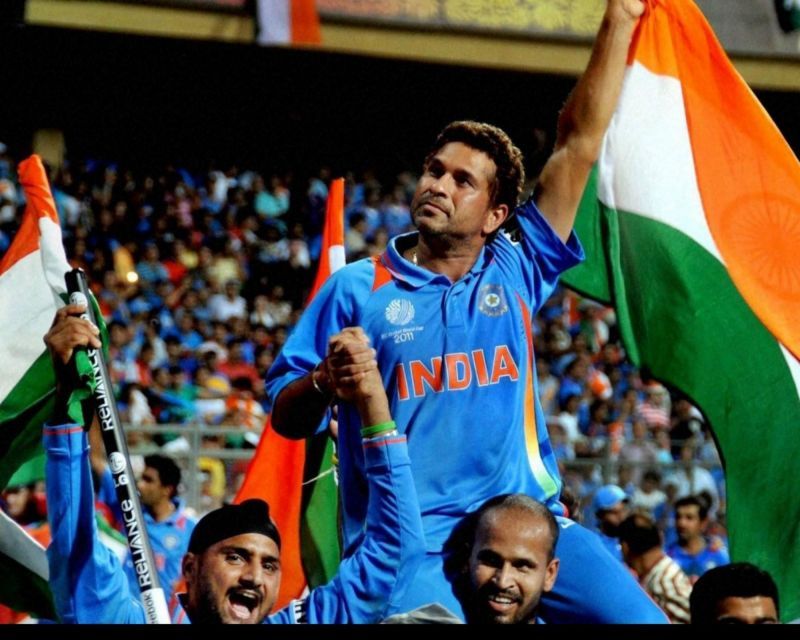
pixel 190 449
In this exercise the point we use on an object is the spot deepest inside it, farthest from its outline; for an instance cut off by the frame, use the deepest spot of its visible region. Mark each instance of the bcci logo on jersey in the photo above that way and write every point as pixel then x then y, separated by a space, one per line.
pixel 400 312
pixel 492 300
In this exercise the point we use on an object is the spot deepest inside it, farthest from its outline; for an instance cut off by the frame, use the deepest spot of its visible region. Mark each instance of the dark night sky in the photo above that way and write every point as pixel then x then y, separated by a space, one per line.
pixel 150 100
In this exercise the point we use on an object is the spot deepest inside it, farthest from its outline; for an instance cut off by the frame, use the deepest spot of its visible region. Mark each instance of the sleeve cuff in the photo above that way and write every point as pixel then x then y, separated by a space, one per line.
pixel 65 437
pixel 389 450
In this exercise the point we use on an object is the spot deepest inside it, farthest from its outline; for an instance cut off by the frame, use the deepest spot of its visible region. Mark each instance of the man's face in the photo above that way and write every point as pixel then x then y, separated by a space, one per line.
pixel 611 518
pixel 452 198
pixel 151 491
pixel 234 581
pixel 509 567
pixel 755 610
pixel 16 501
pixel 235 352
pixel 688 524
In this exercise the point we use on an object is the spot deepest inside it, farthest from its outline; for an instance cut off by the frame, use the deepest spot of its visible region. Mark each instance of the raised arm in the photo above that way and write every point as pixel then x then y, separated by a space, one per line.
pixel 585 117
pixel 86 578
pixel 386 561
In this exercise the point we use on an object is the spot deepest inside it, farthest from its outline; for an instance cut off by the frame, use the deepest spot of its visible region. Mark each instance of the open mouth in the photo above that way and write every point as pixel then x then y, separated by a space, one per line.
pixel 501 602
pixel 242 604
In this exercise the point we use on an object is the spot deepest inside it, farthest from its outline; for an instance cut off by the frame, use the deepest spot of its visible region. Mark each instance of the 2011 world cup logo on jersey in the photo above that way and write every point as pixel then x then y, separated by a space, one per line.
pixel 171 541
pixel 400 312
pixel 492 300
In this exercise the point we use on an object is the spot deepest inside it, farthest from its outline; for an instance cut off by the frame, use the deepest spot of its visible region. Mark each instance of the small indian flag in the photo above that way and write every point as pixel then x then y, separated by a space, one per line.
pixel 288 22
pixel 692 229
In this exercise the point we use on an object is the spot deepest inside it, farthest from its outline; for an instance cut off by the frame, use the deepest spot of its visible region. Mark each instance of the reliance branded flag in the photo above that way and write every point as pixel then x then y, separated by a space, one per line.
pixel 692 229
pixel 288 22
pixel 296 477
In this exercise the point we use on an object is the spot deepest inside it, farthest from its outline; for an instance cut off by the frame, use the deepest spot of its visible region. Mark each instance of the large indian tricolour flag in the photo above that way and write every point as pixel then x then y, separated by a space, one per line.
pixel 692 229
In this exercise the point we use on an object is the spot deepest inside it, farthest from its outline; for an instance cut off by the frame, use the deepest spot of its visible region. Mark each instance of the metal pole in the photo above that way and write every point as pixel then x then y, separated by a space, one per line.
pixel 151 593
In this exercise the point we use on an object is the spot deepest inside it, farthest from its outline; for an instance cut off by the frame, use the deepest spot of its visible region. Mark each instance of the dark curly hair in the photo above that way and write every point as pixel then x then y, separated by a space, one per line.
pixel 494 142
pixel 736 580
pixel 169 473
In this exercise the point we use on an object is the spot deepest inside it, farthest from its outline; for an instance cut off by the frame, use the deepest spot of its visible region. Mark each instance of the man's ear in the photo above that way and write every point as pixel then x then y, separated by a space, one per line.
pixel 189 566
pixel 495 217
pixel 550 575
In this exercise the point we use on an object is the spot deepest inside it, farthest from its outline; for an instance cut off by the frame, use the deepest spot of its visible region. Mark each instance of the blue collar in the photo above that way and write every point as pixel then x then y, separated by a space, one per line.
pixel 417 277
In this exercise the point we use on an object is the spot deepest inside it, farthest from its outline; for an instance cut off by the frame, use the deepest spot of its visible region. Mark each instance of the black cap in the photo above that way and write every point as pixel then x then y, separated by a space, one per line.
pixel 251 516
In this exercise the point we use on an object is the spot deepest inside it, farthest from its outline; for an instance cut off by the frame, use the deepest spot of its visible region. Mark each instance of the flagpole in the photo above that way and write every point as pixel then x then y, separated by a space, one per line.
pixel 151 593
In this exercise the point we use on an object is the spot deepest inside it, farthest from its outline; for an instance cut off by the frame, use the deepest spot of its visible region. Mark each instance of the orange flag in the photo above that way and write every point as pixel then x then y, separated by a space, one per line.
pixel 275 473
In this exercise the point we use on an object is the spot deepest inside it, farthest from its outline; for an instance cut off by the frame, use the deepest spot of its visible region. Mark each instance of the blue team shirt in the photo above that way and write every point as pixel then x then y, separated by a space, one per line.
pixel 457 363
pixel 169 541
pixel 713 555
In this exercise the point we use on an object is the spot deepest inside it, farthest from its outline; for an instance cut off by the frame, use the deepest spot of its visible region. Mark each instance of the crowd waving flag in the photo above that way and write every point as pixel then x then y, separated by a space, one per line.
pixel 691 224
pixel 296 477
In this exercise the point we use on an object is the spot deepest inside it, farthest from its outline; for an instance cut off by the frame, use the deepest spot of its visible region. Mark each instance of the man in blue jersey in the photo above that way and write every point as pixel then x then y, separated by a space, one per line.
pixel 448 311
pixel 232 568
pixel 169 523
pixel 694 552
pixel 610 505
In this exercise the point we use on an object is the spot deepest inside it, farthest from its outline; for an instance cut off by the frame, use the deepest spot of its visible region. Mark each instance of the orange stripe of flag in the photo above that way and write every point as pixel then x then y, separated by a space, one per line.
pixel 275 474
pixel 747 175
pixel 304 22
pixel 40 203
pixel 332 234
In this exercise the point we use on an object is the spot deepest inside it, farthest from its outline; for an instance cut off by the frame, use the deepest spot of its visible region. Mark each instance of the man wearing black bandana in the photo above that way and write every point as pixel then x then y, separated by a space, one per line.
pixel 232 569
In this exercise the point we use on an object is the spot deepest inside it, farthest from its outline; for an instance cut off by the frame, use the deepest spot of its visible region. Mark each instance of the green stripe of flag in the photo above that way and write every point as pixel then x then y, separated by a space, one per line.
pixel 26 592
pixel 22 415
pixel 319 530
pixel 680 315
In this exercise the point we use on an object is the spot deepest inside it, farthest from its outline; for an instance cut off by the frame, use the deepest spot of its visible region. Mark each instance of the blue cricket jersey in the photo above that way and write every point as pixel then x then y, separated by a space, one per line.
pixel 457 363
pixel 169 541
pixel 714 554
